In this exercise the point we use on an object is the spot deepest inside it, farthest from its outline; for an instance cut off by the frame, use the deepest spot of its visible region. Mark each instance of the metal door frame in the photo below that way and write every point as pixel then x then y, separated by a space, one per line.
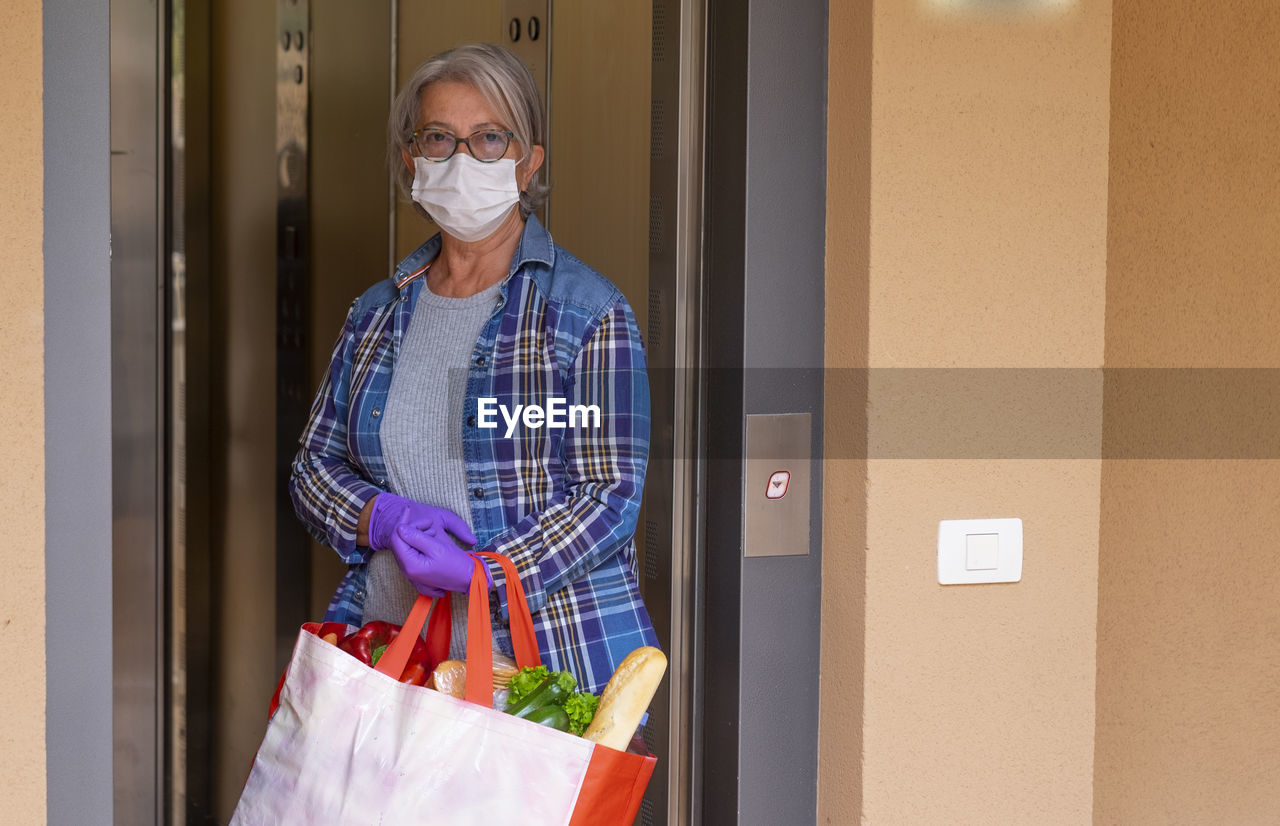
pixel 765 262
pixel 142 784
pixel 77 517
pixel 676 269
pixel 140 428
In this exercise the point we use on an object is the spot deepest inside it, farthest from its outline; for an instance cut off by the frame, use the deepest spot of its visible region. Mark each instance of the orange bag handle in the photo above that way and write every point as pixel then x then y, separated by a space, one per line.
pixel 396 657
pixel 439 630
pixel 479 630
pixel 523 639
pixel 479 641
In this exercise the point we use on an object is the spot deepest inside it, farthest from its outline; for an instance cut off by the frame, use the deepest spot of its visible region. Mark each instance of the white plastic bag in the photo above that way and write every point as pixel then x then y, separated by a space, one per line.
pixel 350 745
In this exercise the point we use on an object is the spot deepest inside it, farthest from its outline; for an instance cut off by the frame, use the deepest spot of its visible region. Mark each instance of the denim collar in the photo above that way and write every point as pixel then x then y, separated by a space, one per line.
pixel 535 246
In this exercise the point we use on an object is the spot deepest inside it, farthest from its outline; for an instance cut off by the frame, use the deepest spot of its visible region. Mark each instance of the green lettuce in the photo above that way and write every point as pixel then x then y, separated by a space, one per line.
pixel 581 708
pixel 566 681
pixel 525 681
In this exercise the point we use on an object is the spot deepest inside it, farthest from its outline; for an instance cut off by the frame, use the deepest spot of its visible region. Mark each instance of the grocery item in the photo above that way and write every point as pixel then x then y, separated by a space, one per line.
pixel 450 677
pixel 626 697
pixel 552 716
pixel 504 668
pixel 368 644
pixel 552 691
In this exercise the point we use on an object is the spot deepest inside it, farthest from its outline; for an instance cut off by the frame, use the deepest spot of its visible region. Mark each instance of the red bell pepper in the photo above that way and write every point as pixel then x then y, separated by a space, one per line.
pixel 373 635
pixel 364 644
pixel 415 673
pixel 335 630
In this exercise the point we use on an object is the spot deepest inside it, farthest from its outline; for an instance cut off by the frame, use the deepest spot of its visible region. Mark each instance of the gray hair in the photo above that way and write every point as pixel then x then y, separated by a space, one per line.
pixel 507 86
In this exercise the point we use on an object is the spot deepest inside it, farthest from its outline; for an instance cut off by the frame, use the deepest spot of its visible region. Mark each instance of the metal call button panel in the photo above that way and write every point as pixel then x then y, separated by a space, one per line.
pixel 777 484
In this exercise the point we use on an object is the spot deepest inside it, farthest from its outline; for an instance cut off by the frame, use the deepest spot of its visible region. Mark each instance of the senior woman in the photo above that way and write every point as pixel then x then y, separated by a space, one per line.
pixel 405 460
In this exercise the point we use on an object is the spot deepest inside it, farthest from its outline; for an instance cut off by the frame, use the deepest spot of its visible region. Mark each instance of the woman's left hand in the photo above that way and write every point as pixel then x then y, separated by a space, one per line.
pixel 434 564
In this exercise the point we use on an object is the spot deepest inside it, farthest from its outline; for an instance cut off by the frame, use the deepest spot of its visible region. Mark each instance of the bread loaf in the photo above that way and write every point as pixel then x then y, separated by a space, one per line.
pixel 626 698
pixel 450 677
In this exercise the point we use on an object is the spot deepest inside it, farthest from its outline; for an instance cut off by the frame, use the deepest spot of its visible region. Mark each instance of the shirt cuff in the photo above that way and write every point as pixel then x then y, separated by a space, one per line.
pixel 358 495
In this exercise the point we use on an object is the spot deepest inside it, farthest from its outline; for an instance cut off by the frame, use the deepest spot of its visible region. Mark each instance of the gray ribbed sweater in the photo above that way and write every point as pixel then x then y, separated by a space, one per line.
pixel 421 436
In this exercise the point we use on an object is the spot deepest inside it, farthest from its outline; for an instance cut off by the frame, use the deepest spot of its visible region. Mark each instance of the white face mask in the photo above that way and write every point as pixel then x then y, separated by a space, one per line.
pixel 467 198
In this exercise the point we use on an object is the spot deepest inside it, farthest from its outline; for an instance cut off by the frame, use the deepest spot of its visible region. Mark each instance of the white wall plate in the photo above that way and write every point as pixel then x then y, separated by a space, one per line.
pixel 975 551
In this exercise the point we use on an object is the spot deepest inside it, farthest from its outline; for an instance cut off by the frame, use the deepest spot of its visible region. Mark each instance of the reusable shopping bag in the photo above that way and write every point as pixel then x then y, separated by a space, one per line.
pixel 349 745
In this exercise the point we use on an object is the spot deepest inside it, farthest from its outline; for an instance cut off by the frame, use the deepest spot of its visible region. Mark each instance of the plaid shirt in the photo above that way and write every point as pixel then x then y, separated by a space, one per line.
pixel 562 503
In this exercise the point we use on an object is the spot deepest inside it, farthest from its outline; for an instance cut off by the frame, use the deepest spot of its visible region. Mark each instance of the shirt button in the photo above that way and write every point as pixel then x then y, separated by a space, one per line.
pixel 404 298
pixel 471 421
pixel 478 493
pixel 479 361
pixel 377 411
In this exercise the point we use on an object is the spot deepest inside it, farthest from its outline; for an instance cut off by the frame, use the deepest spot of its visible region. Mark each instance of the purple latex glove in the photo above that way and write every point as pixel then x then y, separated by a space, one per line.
pixel 390 511
pixel 433 563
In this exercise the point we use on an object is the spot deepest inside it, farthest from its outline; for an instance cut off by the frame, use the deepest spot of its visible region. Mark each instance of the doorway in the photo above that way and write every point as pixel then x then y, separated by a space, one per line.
pixel 288 214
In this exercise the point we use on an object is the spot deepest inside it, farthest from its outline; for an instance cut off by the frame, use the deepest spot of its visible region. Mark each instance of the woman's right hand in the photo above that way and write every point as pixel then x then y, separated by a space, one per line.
pixel 434 564
pixel 388 512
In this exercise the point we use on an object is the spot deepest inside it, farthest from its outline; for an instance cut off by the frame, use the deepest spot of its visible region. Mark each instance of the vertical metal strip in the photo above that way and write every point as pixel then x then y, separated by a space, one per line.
pixel 293 77
pixel 82 46
pixel 139 133
pixel 673 586
pixel 393 86
pixel 690 416
pixel 725 265
pixel 661 568
pixel 547 110
pixel 176 465
pixel 190 605
pixel 163 633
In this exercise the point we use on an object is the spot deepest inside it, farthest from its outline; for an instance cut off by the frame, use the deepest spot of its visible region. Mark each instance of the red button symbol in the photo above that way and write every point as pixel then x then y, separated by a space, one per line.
pixel 777 487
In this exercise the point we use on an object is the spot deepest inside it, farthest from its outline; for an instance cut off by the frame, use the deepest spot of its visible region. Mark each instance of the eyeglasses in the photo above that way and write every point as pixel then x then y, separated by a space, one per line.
pixel 485 145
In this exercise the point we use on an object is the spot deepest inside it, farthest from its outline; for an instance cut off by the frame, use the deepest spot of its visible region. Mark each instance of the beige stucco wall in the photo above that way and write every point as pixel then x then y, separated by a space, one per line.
pixel 22 626
pixel 1189 597
pixel 844 470
pixel 987 224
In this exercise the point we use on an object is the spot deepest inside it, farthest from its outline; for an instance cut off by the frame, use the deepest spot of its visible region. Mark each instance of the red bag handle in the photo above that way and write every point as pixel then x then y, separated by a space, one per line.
pixel 479 641
pixel 439 630
pixel 479 631
pixel 396 657
pixel 523 639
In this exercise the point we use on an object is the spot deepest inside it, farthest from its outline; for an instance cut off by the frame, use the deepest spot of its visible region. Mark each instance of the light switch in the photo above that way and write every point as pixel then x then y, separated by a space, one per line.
pixel 974 551
pixel 982 551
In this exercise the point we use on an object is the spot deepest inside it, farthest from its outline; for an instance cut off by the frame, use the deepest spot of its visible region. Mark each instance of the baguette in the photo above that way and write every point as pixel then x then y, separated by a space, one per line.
pixel 626 698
